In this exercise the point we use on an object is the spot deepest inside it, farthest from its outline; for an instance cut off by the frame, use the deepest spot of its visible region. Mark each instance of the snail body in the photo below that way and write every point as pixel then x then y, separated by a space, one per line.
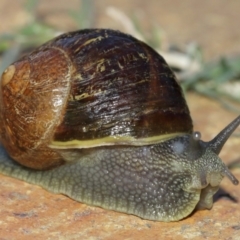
pixel 99 116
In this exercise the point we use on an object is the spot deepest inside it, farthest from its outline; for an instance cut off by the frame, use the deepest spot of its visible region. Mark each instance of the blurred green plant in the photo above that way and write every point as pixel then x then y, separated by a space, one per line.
pixel 84 16
pixel 36 32
pixel 33 33
pixel 219 80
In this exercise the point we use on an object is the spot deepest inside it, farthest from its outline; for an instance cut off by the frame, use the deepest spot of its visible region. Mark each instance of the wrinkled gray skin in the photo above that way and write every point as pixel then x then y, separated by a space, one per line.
pixel 163 182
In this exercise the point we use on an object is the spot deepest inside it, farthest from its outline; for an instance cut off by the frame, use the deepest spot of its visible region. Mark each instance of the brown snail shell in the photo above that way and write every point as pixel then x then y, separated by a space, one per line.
pixel 97 101
pixel 88 88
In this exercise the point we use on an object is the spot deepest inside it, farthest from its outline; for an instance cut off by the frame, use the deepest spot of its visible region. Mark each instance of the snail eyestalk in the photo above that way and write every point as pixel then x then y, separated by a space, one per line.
pixel 196 135
pixel 217 143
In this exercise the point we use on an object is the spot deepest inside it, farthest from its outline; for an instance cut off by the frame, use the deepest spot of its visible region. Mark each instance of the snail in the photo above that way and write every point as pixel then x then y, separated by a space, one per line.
pixel 98 115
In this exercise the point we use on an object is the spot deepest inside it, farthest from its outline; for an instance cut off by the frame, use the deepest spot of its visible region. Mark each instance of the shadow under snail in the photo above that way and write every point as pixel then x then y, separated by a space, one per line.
pixel 99 116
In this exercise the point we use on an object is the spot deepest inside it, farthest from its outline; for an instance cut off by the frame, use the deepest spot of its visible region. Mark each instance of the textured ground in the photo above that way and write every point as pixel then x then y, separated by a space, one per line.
pixel 29 212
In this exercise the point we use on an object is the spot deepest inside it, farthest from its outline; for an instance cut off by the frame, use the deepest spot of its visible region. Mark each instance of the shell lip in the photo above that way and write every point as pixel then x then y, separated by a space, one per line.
pixel 113 140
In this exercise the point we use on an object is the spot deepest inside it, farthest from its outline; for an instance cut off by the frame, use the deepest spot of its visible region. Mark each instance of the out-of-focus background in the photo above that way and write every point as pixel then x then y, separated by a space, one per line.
pixel 200 41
